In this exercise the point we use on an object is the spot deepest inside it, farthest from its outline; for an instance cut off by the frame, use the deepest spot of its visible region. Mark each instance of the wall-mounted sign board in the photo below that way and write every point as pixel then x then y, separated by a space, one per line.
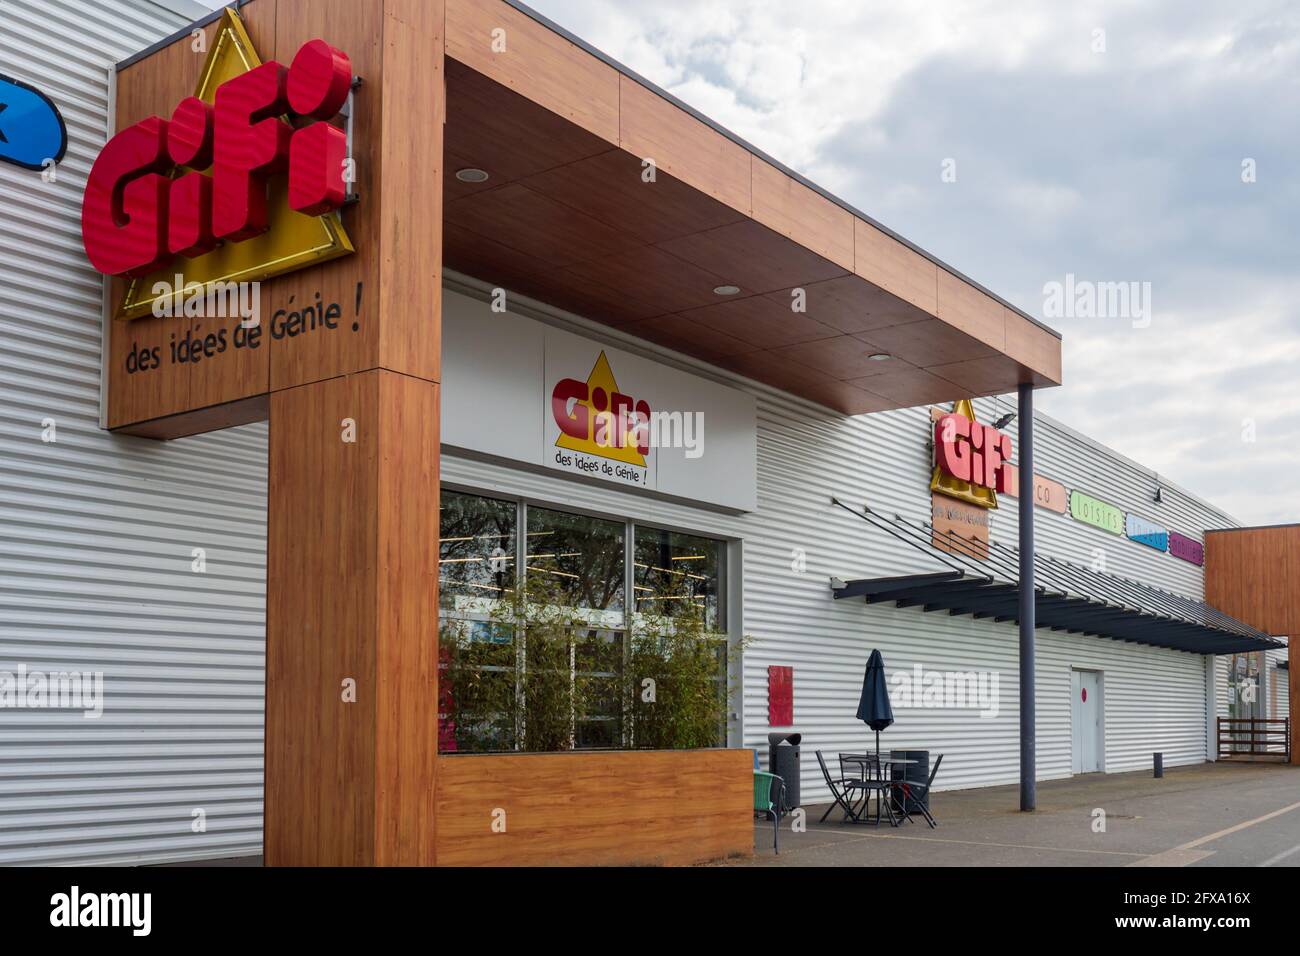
pixel 780 696
pixel 1048 494
pixel 1051 495
pixel 951 520
pixel 1095 512
pixel 32 132
pixel 1188 549
pixel 1146 532
pixel 516 388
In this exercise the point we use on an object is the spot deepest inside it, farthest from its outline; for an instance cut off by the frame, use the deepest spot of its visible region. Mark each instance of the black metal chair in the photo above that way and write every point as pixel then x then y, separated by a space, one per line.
pixel 838 791
pixel 870 780
pixel 913 791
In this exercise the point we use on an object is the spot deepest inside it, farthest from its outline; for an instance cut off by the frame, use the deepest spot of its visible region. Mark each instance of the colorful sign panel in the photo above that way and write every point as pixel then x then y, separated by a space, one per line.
pixel 1146 532
pixel 780 696
pixel 1048 494
pixel 244 181
pixel 1051 495
pixel 1095 512
pixel 970 459
pixel 32 133
pixel 1189 549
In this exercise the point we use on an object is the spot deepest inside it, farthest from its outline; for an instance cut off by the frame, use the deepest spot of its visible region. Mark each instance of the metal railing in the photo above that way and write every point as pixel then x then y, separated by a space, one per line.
pixel 1254 737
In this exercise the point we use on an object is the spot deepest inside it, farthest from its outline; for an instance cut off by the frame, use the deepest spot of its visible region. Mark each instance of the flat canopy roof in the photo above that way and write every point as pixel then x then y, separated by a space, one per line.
pixel 1068 597
pixel 570 215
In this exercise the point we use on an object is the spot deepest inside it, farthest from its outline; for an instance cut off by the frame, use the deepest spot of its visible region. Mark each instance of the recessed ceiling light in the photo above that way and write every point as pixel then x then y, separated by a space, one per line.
pixel 472 175
pixel 726 290
pixel 880 356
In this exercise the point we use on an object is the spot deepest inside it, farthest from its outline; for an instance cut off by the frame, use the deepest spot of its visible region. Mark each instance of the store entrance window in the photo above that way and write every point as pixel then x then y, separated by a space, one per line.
pixel 541 650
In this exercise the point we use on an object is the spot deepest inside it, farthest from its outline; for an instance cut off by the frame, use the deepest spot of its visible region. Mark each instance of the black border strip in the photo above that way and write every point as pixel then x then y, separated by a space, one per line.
pixel 630 74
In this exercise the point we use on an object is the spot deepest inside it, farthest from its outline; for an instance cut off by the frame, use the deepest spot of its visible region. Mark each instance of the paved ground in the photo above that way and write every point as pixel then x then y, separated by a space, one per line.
pixel 1224 814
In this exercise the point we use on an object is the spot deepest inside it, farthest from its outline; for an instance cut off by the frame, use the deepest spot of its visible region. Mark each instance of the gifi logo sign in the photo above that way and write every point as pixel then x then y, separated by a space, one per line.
pixel 244 180
pixel 595 418
pixel 135 218
pixel 972 461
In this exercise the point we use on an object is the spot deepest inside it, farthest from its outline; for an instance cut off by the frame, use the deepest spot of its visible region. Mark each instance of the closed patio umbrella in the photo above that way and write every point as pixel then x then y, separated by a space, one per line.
pixel 873 707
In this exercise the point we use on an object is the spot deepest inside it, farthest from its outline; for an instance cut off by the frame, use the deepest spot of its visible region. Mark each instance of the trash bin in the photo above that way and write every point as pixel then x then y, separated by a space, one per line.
pixel 783 760
pixel 912 799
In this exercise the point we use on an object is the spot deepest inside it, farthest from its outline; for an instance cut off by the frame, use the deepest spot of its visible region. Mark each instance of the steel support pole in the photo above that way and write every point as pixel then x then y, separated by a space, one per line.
pixel 1025 416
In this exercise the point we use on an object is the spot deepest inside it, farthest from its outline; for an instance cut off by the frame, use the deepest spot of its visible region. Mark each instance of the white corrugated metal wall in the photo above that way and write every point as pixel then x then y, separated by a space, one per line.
pixel 97 532
pixel 1155 699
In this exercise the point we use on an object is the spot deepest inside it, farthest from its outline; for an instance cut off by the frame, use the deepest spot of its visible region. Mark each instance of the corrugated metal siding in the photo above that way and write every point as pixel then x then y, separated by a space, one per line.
pixel 1155 699
pixel 1280 703
pixel 98 531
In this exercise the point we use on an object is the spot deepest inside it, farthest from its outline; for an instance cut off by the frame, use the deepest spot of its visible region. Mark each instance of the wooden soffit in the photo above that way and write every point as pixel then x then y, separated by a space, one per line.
pixel 571 216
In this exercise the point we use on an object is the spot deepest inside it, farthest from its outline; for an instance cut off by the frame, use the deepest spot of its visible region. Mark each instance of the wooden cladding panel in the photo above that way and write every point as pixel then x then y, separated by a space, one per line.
pixel 1253 574
pixel 650 127
pixel 969 310
pixel 245 411
pixel 594 809
pixel 352 281
pixel 610 188
pixel 483 116
pixel 410 194
pixel 352 594
pixel 802 214
pixel 535 62
pixel 323 507
pixel 406 706
pixel 1033 347
pixel 883 260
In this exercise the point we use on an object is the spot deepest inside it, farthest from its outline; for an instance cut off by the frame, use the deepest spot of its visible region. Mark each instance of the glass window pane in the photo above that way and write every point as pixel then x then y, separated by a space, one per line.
pixel 576 561
pixel 598 685
pixel 680 574
pixel 477 655
pixel 476 551
pixel 476 686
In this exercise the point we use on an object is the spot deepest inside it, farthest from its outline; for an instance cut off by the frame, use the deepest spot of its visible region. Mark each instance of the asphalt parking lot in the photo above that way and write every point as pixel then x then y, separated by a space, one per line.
pixel 1214 814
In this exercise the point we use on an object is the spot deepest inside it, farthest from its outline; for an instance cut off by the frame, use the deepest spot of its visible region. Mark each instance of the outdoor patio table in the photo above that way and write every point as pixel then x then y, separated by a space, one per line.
pixel 864 758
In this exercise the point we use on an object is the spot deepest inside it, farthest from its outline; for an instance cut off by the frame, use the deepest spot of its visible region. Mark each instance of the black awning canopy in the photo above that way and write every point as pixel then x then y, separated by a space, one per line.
pixel 983 581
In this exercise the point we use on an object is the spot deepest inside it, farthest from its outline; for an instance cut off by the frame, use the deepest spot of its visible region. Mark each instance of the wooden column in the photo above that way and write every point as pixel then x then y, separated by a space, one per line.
pixel 352 542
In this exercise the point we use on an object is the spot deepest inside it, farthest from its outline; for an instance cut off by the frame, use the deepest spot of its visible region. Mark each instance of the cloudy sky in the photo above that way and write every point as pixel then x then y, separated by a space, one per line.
pixel 1115 156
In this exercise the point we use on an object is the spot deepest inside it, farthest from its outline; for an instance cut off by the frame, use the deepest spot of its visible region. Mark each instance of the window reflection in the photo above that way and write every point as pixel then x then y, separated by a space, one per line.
pixel 543 655
pixel 576 561
pixel 679 574
pixel 476 550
